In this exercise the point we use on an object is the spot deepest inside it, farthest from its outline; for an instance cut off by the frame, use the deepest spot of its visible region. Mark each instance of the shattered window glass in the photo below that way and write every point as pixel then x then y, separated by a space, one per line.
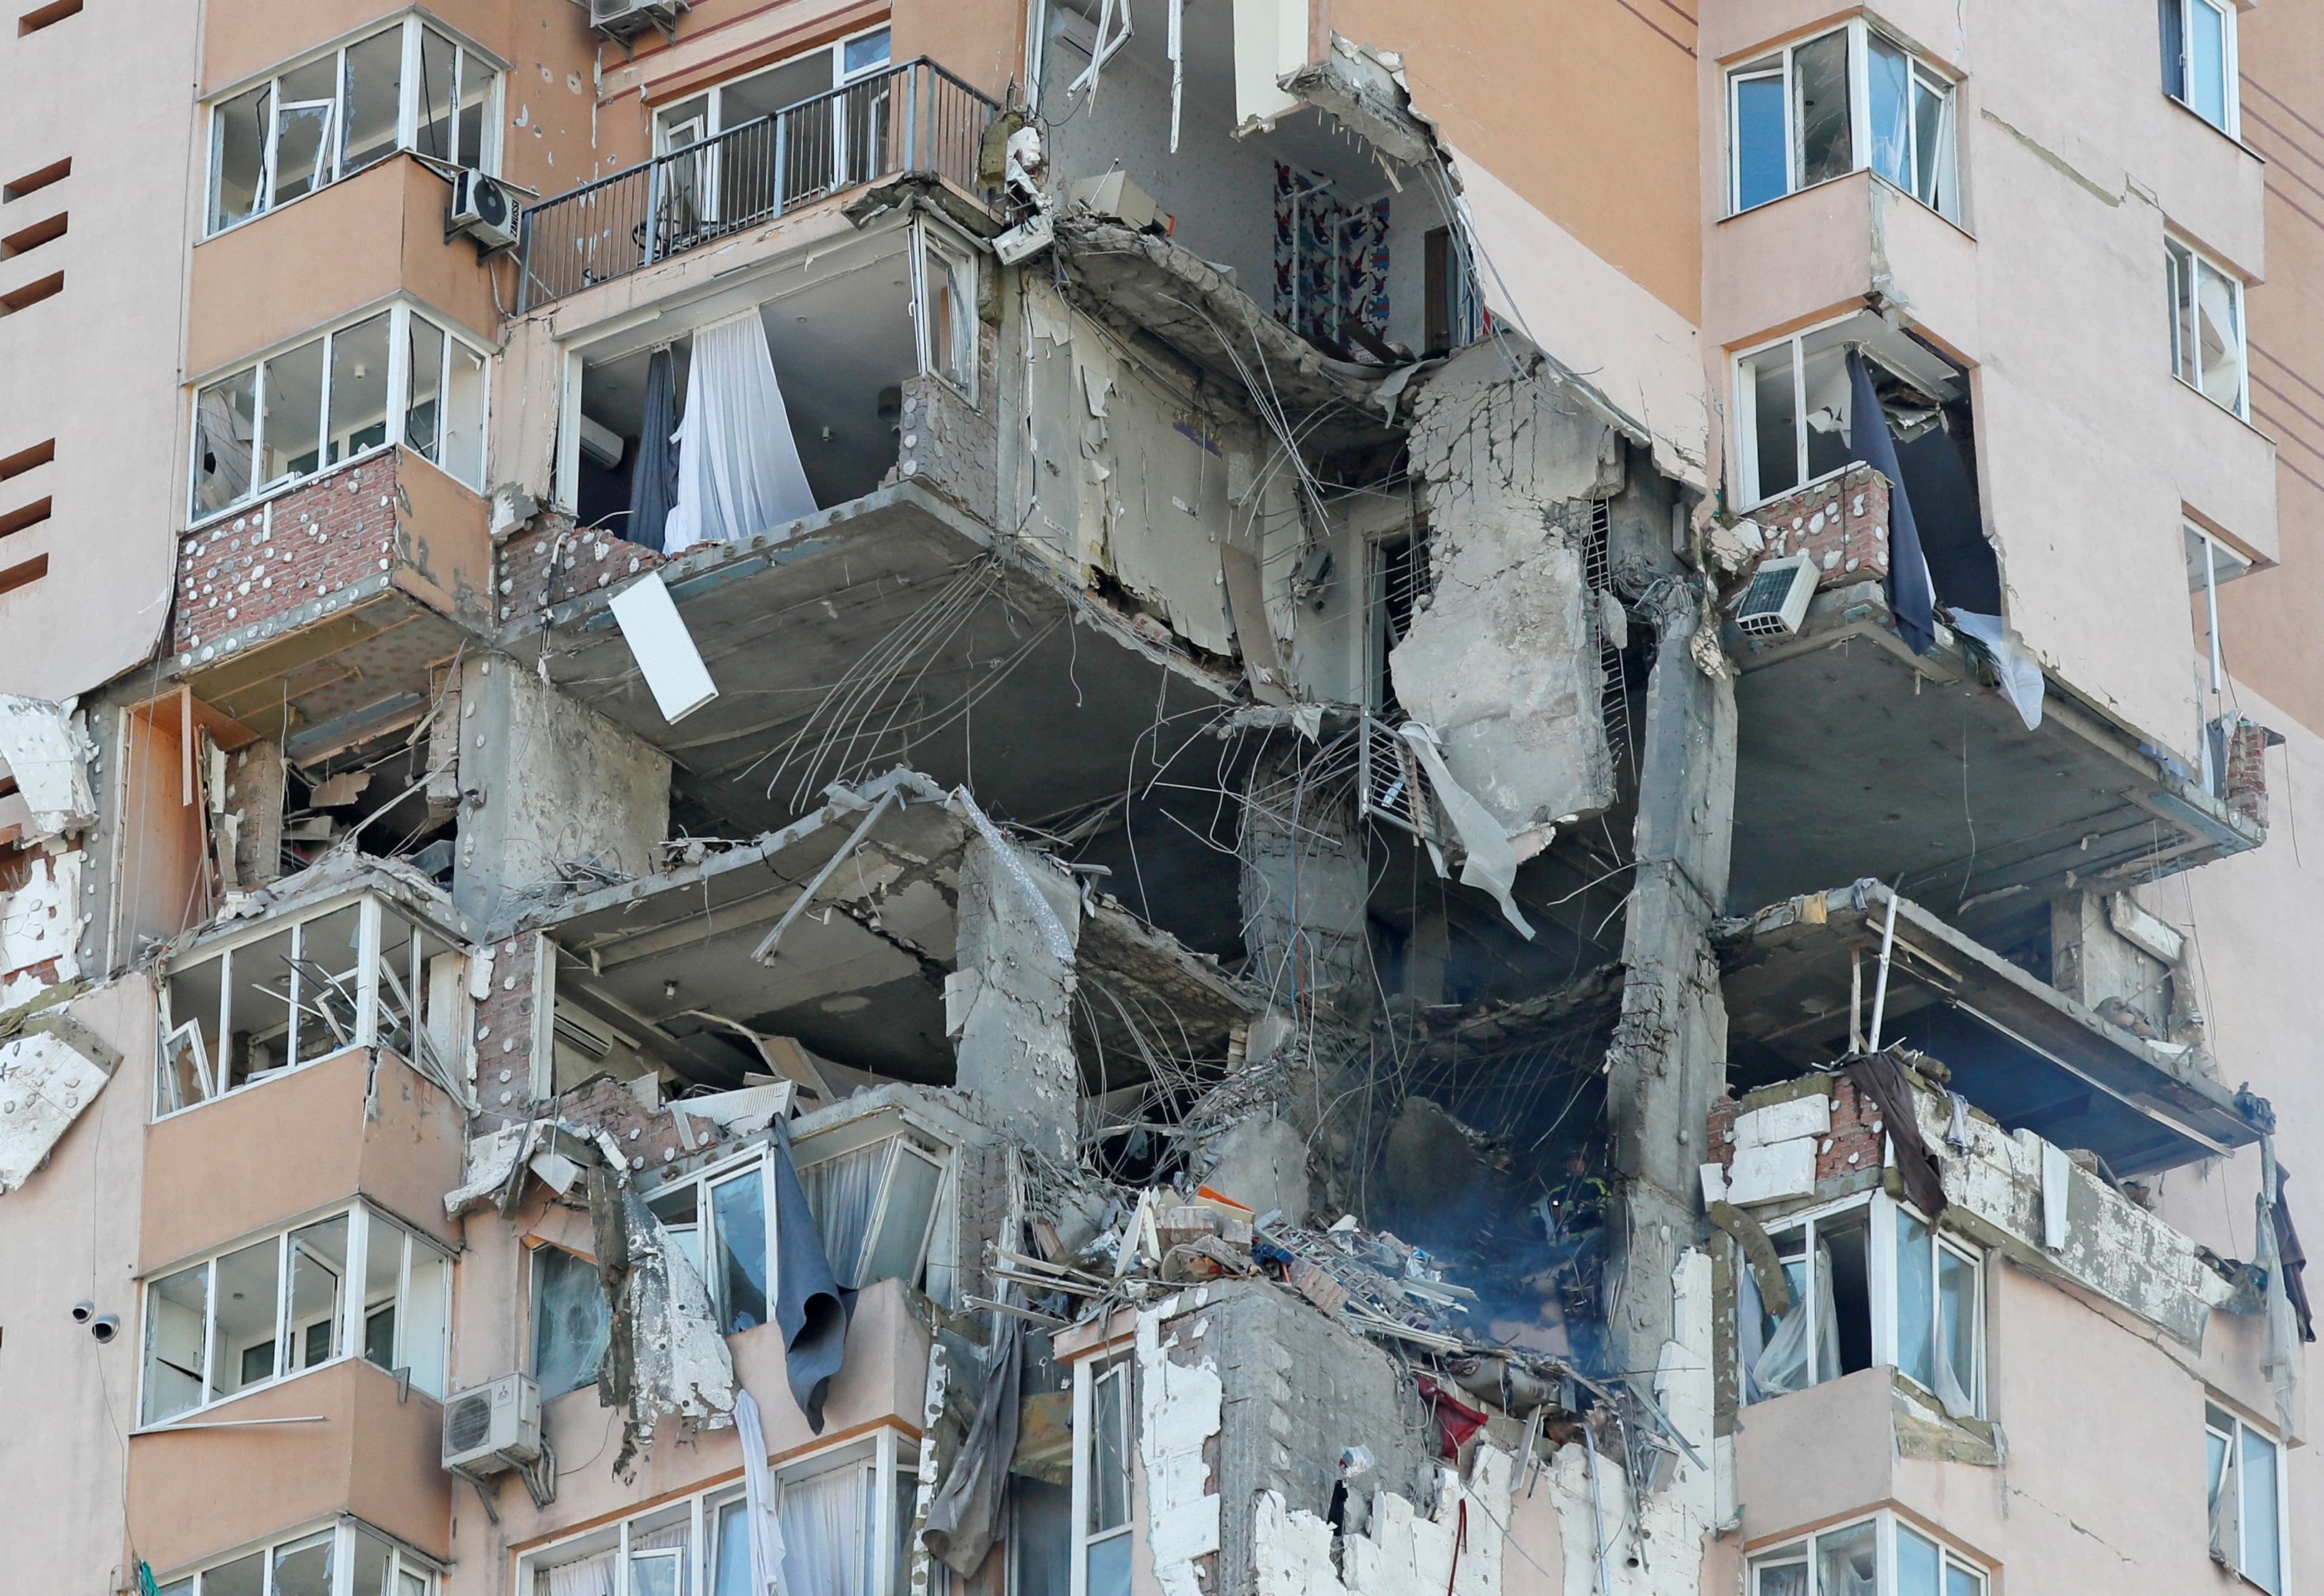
pixel 570 1321
pixel 738 1210
pixel 1767 380
pixel 238 158
pixel 358 388
pixel 1820 108
pixel 1783 1573
pixel 1888 86
pixel 374 98
pixel 1848 1561
pixel 225 427
pixel 305 105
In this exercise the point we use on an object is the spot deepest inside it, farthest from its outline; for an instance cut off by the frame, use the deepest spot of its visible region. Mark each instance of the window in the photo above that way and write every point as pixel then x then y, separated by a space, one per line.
pixel 1848 1560
pixel 947 308
pixel 1791 410
pixel 2210 562
pixel 570 1321
pixel 1102 1461
pixel 873 1188
pixel 1452 318
pixel 2198 60
pixel 2206 325
pixel 405 88
pixel 1871 1284
pixel 348 1558
pixel 269 1309
pixel 392 376
pixel 1840 102
pixel 719 1221
pixel 728 105
pixel 2245 1476
pixel 353 975
pixel 842 1515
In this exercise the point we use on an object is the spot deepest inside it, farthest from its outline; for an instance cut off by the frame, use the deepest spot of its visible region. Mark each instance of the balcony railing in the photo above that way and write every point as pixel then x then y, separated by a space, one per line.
pixel 914 117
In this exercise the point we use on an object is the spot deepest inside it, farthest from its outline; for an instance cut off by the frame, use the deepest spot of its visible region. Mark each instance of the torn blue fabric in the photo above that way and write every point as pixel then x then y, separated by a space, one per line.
pixel 810 1305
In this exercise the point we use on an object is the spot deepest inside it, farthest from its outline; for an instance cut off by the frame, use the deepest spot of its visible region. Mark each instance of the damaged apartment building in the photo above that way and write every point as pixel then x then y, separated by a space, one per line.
pixel 1156 797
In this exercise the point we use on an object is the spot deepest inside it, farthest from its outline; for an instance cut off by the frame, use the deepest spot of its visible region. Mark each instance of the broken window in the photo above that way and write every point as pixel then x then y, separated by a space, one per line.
pixel 2206 325
pixel 1927 1322
pixel 875 1201
pixel 1851 1559
pixel 406 86
pixel 2198 60
pixel 1792 412
pixel 842 1515
pixel 287 995
pixel 392 375
pixel 570 1321
pixel 947 309
pixel 2210 563
pixel 269 1309
pixel 1103 1435
pixel 2245 1476
pixel 1451 317
pixel 1848 100
pixel 719 1221
pixel 348 1558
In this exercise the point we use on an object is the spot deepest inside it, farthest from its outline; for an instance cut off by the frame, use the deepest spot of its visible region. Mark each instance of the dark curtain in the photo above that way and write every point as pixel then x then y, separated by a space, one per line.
pixel 809 1303
pixel 1909 599
pixel 1961 567
pixel 653 476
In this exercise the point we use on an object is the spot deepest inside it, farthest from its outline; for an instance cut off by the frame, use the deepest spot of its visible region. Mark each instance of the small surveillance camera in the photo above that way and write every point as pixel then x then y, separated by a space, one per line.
pixel 105 1327
pixel 83 1311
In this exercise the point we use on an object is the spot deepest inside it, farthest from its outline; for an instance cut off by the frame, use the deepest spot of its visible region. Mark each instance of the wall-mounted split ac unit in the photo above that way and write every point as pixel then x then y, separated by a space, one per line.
pixel 625 19
pixel 1776 601
pixel 485 208
pixel 493 1427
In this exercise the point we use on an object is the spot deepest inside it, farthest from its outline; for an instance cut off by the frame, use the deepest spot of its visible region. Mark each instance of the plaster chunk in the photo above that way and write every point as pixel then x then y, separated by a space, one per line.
pixel 46 1080
pixel 42 753
pixel 1767 1173
pixel 1180 1405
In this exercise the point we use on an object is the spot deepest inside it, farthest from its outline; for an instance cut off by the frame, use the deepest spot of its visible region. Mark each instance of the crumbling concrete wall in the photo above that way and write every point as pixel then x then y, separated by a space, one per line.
pixel 1502 659
pixel 1303 886
pixel 545 783
pixel 550 561
pixel 40 925
pixel 950 445
pixel 1008 1004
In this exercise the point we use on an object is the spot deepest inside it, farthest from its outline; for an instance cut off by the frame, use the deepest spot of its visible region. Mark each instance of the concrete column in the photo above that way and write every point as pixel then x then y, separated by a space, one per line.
pixel 1668 1062
pixel 1009 1005
pixel 1316 955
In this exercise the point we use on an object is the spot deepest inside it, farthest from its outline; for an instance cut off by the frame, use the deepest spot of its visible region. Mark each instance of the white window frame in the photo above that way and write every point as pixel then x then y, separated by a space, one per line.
pixel 403 1561
pixel 1882 1286
pixel 406 118
pixel 2226 1424
pixel 1100 1380
pixel 714 114
pixel 2230 65
pixel 910 1140
pixel 943 245
pixel 375 925
pixel 355 1307
pixel 883 1457
pixel 756 1161
pixel 401 313
pixel 1746 401
pixel 2186 266
pixel 1791 1551
pixel 1777 63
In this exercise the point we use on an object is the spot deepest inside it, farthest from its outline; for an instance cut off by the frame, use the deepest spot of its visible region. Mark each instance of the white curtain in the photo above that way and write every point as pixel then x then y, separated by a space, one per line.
pixel 841 1191
pixel 823 1534
pixel 764 1526
pixel 585 1576
pixel 1782 1364
pixel 738 466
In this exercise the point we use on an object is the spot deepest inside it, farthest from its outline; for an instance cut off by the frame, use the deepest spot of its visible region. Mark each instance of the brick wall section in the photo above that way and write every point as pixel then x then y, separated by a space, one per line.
pixel 1852 1135
pixel 648 1135
pixel 2246 774
pixel 504 1035
pixel 271 558
pixel 949 446
pixel 551 561
pixel 1843 521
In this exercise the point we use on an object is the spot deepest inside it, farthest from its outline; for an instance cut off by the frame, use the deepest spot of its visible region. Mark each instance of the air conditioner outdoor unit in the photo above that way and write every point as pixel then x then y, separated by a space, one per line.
pixel 1776 601
pixel 485 208
pixel 623 19
pixel 493 1427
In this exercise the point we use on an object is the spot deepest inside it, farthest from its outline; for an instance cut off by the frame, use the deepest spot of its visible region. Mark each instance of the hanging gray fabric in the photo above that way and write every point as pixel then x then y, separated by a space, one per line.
pixel 654 474
pixel 810 1305
pixel 1878 1077
pixel 1910 597
pixel 965 1516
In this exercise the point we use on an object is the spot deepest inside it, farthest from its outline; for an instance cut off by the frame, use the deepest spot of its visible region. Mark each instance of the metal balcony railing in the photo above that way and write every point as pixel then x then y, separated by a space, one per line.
pixel 914 117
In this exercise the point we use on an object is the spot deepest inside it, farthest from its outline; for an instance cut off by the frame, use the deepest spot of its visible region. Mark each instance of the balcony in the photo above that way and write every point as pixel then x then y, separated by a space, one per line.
pixel 914 117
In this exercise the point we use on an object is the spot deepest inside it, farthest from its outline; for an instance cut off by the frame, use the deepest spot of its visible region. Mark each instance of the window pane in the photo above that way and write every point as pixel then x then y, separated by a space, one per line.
pixel 238 158
pixel 1933 134
pixel 2219 328
pixel 1109 1492
pixel 1888 82
pixel 242 1340
pixel 188 1060
pixel 330 983
pixel 318 1272
pixel 464 417
pixel 1963 1581
pixel 1916 1301
pixel 1824 373
pixel 383 1279
pixel 243 1576
pixel 2261 1556
pixel 730 1574
pixel 304 107
pixel 304 1567
pixel 867 52
pixel 2178 269
pixel 294 404
pixel 1784 1574
pixel 423 416
pixel 1957 1324
pixel 425 1311
pixel 1763 167
pixel 947 324
pixel 658 1574
pixel 1847 1561
pixel 411 1583
pixel 225 425
pixel 173 1343
pixel 572 1323
pixel 439 64
pixel 1775 421
pixel 895 1252
pixel 2207 62
pixel 260 1015
pixel 358 388
pixel 822 1522
pixel 842 1192
pixel 374 93
pixel 738 1206
pixel 1819 85
pixel 1917 1563
pixel 1109 1566
pixel 676 1211
pixel 475 100
pixel 370 1564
